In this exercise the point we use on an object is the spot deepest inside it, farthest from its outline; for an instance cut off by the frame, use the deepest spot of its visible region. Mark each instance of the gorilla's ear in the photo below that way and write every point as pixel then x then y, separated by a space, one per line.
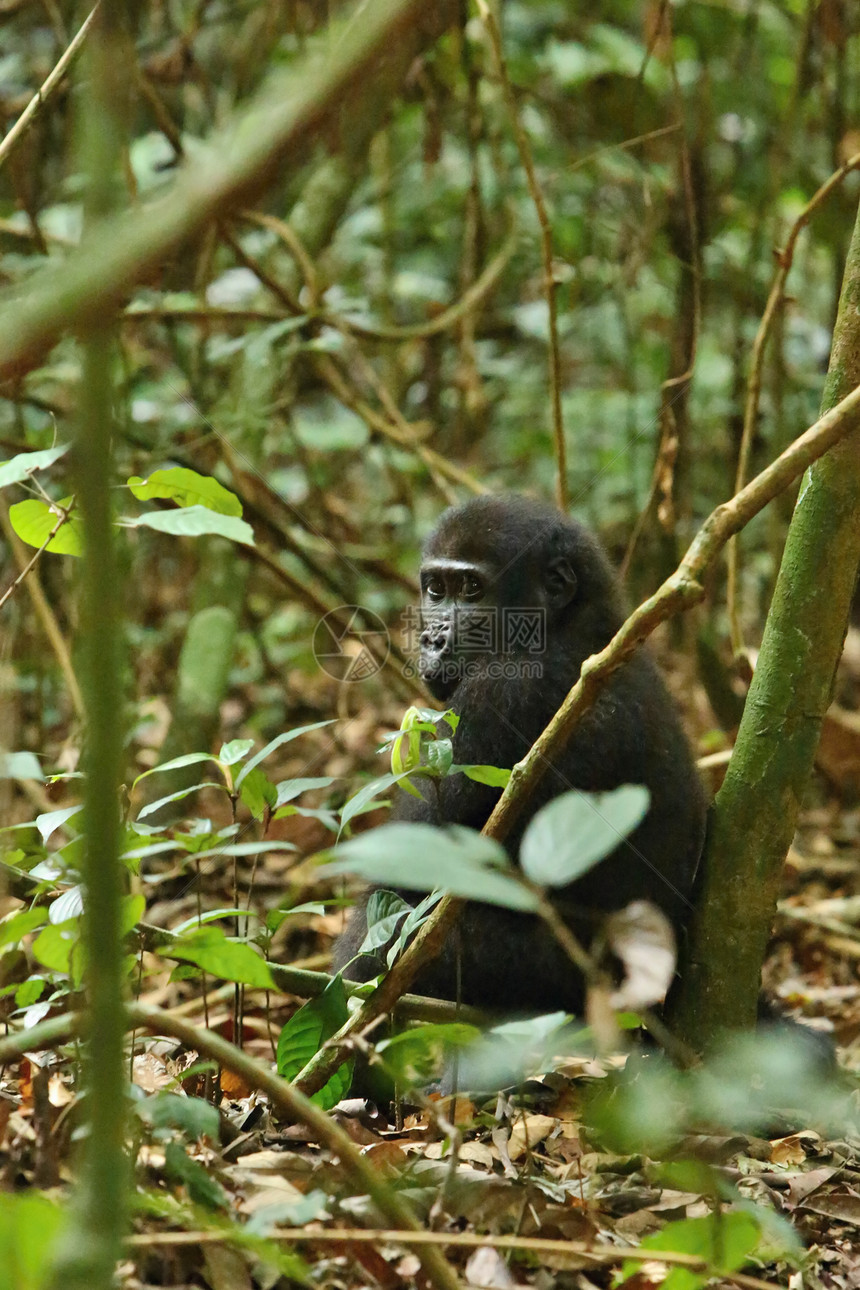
pixel 559 581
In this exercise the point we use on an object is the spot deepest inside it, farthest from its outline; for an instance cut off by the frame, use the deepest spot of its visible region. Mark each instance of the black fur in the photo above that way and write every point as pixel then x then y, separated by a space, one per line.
pixel 526 554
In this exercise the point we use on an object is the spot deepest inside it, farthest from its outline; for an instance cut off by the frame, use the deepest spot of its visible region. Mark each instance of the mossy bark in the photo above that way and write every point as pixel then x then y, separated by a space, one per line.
pixel 756 810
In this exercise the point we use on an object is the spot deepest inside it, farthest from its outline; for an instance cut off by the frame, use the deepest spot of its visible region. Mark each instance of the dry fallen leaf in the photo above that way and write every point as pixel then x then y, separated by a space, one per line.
pixel 527 1132
pixel 487 1268
pixel 641 936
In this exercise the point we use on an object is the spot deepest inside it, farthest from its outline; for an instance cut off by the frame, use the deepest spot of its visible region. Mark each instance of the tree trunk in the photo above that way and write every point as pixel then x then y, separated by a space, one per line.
pixel 756 810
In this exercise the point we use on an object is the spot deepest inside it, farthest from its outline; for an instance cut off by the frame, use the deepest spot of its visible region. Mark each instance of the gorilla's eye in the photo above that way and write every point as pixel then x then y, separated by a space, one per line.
pixel 473 588
pixel 434 589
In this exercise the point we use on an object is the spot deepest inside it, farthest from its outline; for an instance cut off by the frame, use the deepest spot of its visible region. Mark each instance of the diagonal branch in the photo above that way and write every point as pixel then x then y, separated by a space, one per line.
pixel 679 592
pixel 288 115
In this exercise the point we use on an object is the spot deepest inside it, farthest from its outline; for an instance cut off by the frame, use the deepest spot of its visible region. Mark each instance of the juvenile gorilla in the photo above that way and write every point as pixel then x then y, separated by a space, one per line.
pixel 515 596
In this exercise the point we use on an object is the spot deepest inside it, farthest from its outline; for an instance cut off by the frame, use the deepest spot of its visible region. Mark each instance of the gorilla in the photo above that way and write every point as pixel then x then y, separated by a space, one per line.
pixel 514 597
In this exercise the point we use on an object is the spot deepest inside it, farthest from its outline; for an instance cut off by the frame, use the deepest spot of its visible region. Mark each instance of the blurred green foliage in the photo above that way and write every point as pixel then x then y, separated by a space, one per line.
pixel 281 379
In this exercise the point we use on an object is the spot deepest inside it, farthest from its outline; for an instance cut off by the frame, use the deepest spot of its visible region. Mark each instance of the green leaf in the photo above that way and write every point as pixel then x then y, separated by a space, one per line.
pixel 230 960
pixel 724 1240
pixel 234 751
pixel 190 1115
pixel 20 765
pixel 291 788
pixel 258 792
pixel 26 464
pixel 385 911
pixel 192 521
pixel 365 796
pixel 270 747
pixel 29 1227
pixel 54 945
pixel 131 913
pixel 419 1055
pixel 508 1053
pixel 14 928
pixel 246 849
pixel 34 520
pixel 202 1187
pixel 187 489
pixel 423 858
pixel 28 991
pixel 576 830
pixel 495 776
pixel 306 1032
pixel 275 917
pixel 212 916
pixel 152 807
pixel 68 906
pixel 53 820
pixel 175 763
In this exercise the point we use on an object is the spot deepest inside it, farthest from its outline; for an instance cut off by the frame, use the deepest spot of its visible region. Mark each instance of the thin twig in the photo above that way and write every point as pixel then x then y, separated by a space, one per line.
pixel 287 1102
pixel 462 1240
pixel 444 321
pixel 294 244
pixel 785 259
pixel 679 592
pixel 43 610
pixel 33 561
pixel 283 120
pixel 524 149
pixel 40 98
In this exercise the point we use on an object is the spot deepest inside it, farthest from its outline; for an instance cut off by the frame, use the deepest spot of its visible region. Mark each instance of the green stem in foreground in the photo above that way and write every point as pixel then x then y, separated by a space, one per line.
pixel 92 1243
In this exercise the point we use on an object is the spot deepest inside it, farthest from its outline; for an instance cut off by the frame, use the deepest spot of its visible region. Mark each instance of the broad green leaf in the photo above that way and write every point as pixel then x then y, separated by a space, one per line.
pixel 306 1032
pixel 246 848
pixel 291 788
pixel 382 904
pixel 406 748
pixel 176 763
pixel 423 858
pixel 26 464
pixel 270 747
pixel 203 1188
pixel 275 917
pixel 724 1240
pixel 152 807
pixel 258 792
pixel 418 1055
pixel 192 521
pixel 439 757
pixel 69 905
pixel 21 924
pixel 508 1053
pixel 418 915
pixel 191 1115
pixel 34 521
pixel 363 798
pixel 29 1227
pixel 495 776
pixel 149 849
pixel 132 912
pixel 576 830
pixel 186 488
pixel 20 765
pixel 53 820
pixel 385 911
pixel 28 992
pixel 54 944
pixel 234 751
pixel 230 960
pixel 211 916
